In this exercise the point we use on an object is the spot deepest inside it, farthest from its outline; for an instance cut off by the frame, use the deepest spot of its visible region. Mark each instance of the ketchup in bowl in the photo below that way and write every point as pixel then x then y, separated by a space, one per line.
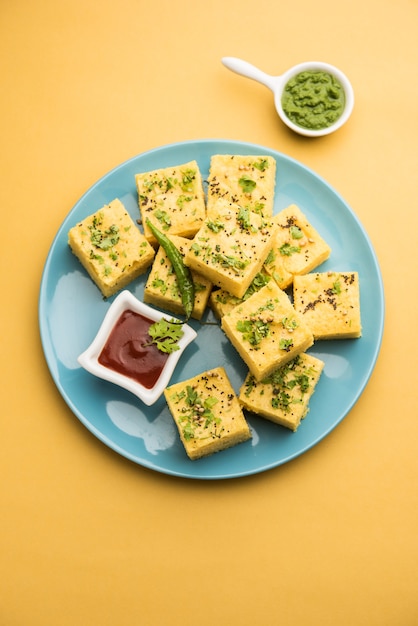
pixel 129 351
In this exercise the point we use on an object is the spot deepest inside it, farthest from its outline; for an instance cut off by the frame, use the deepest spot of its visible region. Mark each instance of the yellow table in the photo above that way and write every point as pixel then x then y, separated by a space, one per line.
pixel 88 537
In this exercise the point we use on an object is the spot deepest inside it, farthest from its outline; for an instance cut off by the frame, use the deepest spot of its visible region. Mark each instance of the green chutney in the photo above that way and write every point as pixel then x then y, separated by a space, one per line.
pixel 313 99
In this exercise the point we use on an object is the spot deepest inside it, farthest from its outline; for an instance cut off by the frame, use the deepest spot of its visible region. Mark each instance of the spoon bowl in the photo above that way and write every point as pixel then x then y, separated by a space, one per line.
pixel 277 85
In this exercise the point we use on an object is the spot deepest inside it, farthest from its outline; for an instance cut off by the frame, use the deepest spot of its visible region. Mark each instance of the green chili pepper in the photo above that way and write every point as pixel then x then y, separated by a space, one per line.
pixel 183 274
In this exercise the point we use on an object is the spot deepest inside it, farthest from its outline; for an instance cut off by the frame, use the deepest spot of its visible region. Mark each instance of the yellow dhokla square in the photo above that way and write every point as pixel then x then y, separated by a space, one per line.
pixel 222 302
pixel 298 248
pixel 172 199
pixel 329 302
pixel 283 396
pixel 266 330
pixel 231 246
pixel 162 288
pixel 207 413
pixel 246 180
pixel 111 247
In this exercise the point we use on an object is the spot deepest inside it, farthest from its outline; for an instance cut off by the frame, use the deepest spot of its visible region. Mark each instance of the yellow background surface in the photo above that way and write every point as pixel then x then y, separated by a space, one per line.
pixel 90 538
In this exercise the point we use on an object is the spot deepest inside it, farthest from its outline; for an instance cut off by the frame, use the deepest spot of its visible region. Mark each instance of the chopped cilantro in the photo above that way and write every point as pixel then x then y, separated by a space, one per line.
pixel 197 416
pixel 285 344
pixel 187 180
pixel 289 323
pixel 244 218
pixel 247 184
pixel 229 261
pixel 271 257
pixel 336 287
pixel 164 218
pixel 296 232
pixel 182 199
pixel 103 240
pixel 253 331
pixel 166 334
pixel 261 165
pixel 287 250
pixel 257 327
pixel 160 284
pixel 215 226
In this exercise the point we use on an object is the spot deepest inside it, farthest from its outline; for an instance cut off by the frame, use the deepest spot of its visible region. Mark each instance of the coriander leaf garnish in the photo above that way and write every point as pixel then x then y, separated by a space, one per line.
pixel 285 344
pixel 197 416
pixel 166 334
pixel 261 165
pixel 247 184
pixel 336 287
pixel 215 226
pixel 287 250
pixel 188 177
pixel 164 218
pixel 244 218
pixel 257 326
pixel 296 232
pixel 106 239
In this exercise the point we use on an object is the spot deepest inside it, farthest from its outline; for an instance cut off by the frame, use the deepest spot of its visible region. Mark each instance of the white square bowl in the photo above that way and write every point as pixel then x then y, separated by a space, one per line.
pixel 89 358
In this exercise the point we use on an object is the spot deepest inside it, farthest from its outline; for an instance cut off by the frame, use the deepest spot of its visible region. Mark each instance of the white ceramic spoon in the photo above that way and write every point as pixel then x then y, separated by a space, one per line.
pixel 277 83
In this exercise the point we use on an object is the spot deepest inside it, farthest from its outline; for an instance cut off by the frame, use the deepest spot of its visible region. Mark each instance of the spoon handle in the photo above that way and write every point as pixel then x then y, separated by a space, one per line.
pixel 250 71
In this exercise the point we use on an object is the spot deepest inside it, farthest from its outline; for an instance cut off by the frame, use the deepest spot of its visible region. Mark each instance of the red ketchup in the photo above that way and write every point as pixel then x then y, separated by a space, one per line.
pixel 129 351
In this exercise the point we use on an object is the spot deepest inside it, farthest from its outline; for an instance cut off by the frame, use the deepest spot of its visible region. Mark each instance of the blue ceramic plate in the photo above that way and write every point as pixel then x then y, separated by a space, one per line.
pixel 71 310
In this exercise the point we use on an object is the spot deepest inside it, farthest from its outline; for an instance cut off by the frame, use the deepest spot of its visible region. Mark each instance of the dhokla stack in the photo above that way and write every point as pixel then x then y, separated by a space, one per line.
pixel 231 246
pixel 283 396
pixel 207 413
pixel 298 247
pixel 266 330
pixel 245 180
pixel 329 302
pixel 111 247
pixel 173 199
